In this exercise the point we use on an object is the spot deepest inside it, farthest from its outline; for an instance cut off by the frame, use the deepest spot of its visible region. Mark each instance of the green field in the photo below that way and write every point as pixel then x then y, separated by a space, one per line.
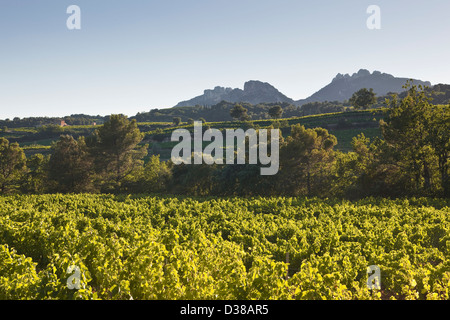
pixel 151 247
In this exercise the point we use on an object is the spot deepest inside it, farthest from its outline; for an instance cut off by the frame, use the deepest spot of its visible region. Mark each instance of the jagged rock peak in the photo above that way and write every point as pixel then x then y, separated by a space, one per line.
pixel 359 74
pixel 253 85
pixel 218 90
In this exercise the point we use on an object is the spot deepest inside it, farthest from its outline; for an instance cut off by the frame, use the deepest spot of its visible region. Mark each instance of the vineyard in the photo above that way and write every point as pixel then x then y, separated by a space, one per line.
pixel 150 247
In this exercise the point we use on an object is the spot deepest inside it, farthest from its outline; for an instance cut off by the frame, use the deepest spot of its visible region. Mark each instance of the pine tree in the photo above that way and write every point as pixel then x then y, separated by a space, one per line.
pixel 12 165
pixel 116 151
pixel 306 158
pixel 70 165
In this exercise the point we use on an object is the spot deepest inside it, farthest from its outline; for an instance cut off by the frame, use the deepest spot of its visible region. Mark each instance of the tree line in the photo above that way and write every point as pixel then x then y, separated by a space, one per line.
pixel 221 111
pixel 411 159
pixel 75 119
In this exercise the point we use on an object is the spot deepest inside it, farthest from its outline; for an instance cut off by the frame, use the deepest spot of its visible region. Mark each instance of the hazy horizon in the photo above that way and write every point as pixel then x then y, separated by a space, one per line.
pixel 134 56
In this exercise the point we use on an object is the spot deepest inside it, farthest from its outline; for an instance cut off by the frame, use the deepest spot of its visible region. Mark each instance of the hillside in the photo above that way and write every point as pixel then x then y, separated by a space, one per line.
pixel 344 125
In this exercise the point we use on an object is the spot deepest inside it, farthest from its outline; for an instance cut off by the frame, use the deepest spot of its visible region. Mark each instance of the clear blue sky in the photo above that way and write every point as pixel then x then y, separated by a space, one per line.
pixel 136 55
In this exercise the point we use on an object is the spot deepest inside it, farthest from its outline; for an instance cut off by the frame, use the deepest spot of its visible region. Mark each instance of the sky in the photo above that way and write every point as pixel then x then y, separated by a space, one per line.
pixel 136 55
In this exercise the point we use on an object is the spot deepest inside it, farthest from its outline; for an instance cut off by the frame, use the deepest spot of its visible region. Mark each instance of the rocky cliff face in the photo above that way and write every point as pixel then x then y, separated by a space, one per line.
pixel 254 92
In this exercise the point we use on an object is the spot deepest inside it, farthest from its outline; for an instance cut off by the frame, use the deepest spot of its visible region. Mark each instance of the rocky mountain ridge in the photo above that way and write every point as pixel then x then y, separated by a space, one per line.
pixel 340 89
